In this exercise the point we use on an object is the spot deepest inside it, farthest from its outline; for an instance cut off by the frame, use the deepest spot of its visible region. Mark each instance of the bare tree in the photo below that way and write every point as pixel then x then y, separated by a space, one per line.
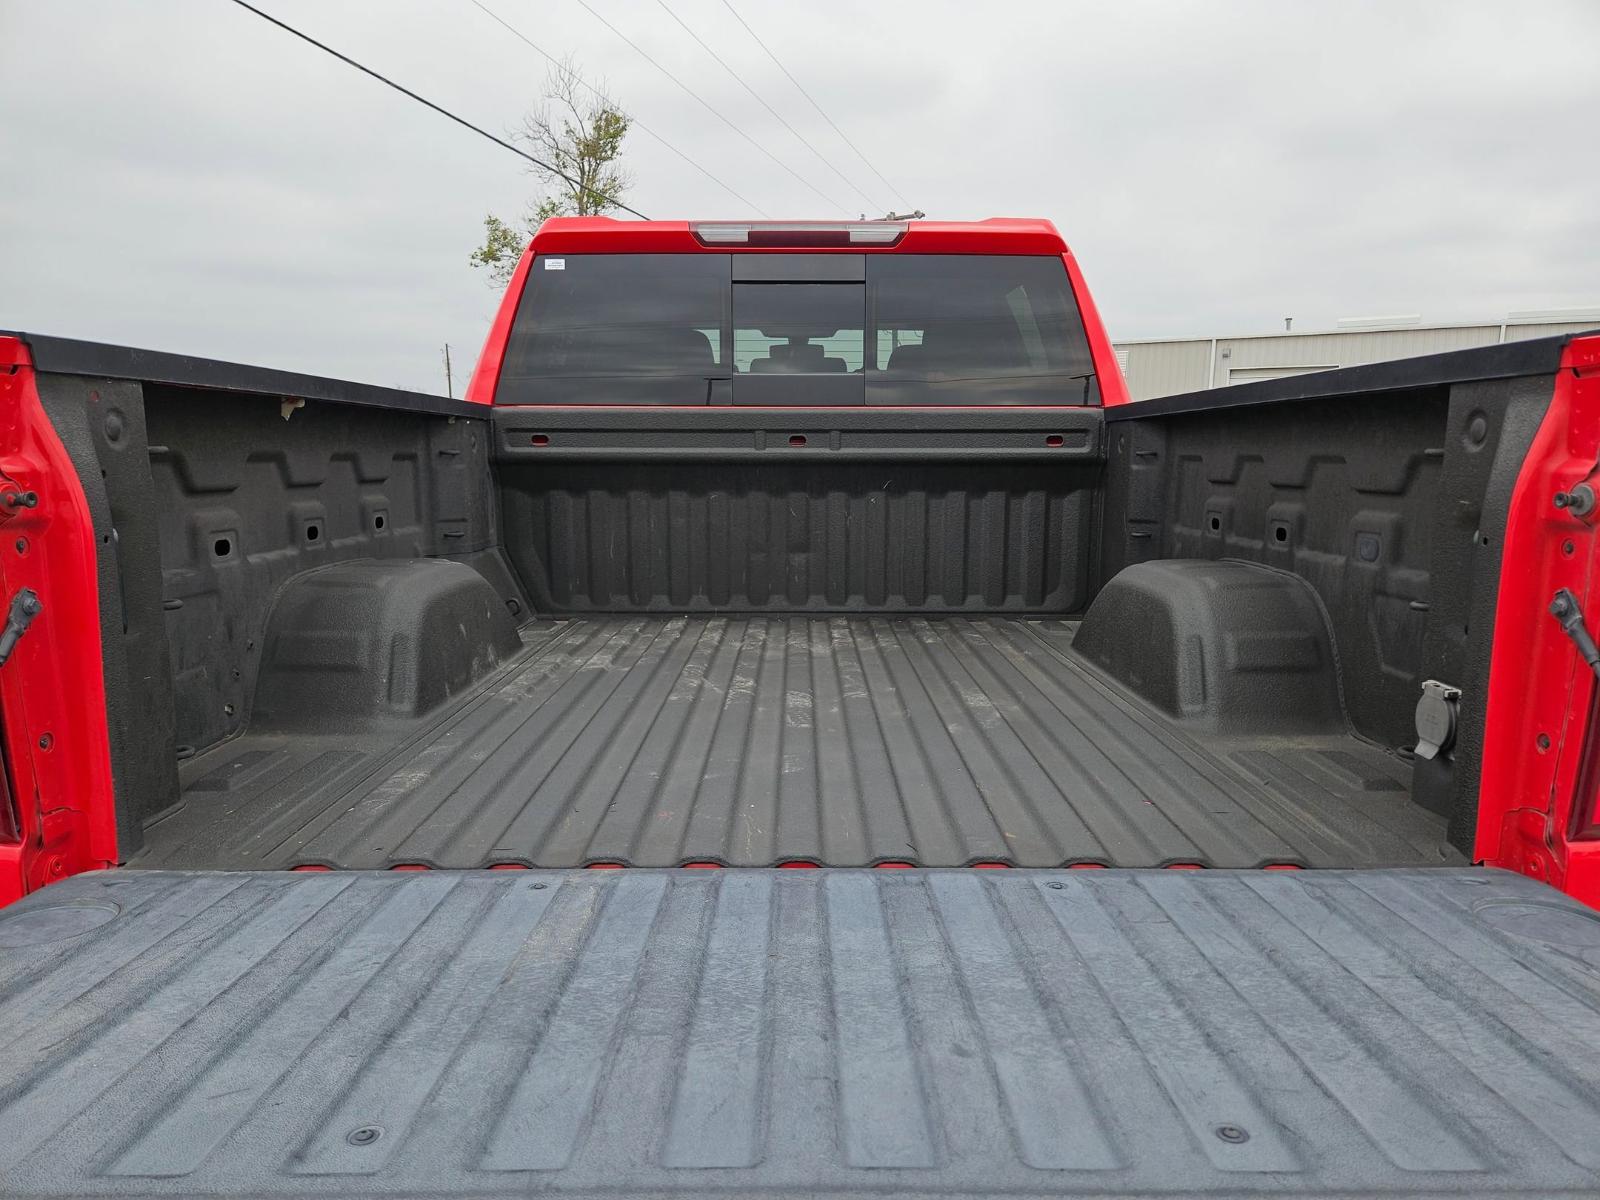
pixel 579 134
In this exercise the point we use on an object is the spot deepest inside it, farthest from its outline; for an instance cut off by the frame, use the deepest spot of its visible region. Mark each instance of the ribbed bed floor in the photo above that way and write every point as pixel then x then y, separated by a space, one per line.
pixel 864 1034
pixel 843 741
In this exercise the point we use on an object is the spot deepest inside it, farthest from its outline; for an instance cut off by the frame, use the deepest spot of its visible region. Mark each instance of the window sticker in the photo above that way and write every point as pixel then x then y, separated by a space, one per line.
pixel 555 264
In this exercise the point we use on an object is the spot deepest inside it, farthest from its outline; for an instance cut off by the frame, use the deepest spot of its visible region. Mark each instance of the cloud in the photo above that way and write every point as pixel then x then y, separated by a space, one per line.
pixel 184 176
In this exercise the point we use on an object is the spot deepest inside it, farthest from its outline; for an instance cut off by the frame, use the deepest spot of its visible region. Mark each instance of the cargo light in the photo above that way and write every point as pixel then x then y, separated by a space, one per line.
pixel 800 233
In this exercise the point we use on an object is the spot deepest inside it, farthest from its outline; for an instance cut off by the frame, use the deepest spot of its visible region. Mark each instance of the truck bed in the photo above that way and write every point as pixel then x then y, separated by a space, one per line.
pixel 651 1033
pixel 749 741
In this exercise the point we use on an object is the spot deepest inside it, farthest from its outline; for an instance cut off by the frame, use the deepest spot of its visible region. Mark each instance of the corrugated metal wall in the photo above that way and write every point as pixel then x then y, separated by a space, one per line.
pixel 1164 368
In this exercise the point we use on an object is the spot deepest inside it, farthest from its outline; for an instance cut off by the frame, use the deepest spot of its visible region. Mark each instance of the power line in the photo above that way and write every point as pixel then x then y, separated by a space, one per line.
pixel 801 137
pixel 444 112
pixel 713 111
pixel 604 99
pixel 814 104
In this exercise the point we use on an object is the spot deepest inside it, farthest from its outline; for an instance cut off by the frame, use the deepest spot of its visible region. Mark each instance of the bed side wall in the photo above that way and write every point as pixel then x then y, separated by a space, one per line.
pixel 1392 505
pixel 208 502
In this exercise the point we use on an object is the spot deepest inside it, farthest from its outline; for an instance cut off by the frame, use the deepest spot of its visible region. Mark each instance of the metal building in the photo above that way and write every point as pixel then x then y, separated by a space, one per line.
pixel 1166 366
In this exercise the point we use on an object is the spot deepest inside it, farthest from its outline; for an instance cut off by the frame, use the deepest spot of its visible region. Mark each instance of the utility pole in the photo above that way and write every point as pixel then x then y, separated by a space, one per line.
pixel 449 384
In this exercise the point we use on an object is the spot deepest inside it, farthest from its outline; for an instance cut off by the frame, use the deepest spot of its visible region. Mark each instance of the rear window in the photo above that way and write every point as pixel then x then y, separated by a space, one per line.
pixel 617 329
pixel 1006 328
pixel 797 329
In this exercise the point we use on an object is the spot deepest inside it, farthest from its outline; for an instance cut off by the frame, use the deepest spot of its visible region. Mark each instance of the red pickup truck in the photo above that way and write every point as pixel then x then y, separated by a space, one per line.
pixel 796 729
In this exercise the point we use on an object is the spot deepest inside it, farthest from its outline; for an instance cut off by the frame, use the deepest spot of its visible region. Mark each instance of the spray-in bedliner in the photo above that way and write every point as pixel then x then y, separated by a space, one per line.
pixel 799 1033
pixel 749 741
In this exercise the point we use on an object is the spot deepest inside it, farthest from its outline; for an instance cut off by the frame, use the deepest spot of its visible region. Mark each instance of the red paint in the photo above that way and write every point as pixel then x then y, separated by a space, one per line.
pixel 1185 866
pixel 486 374
pixel 411 867
pixel 702 866
pixel 605 866
pixel 1281 867
pixel 606 235
pixel 990 866
pixel 1086 866
pixel 1537 683
pixel 311 867
pixel 507 867
pixel 52 689
pixel 1113 388
pixel 894 866
pixel 797 865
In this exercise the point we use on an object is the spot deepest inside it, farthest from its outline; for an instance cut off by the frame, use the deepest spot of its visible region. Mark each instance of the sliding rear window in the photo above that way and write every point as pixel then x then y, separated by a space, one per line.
pixel 975 329
pixel 889 329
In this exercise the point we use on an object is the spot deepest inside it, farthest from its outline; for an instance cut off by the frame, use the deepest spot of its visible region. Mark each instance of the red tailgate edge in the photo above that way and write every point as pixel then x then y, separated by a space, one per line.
pixel 52 691
pixel 1536 799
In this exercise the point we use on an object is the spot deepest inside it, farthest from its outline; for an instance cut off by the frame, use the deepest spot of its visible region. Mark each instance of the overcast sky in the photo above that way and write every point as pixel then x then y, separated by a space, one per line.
pixel 178 174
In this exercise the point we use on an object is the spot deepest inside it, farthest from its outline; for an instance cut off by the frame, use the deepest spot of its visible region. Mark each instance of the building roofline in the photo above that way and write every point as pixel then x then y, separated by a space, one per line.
pixel 1509 360
pixel 1509 323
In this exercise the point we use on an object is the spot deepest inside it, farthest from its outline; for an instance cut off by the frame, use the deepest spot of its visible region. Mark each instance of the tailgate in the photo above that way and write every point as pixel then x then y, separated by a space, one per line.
pixel 800 1032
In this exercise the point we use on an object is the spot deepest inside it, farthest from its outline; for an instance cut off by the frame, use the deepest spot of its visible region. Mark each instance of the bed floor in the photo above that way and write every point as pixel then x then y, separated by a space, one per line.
pixel 751 741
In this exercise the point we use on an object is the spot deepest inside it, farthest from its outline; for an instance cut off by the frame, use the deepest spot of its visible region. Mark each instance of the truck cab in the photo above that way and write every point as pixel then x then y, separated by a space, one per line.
pixel 882 313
